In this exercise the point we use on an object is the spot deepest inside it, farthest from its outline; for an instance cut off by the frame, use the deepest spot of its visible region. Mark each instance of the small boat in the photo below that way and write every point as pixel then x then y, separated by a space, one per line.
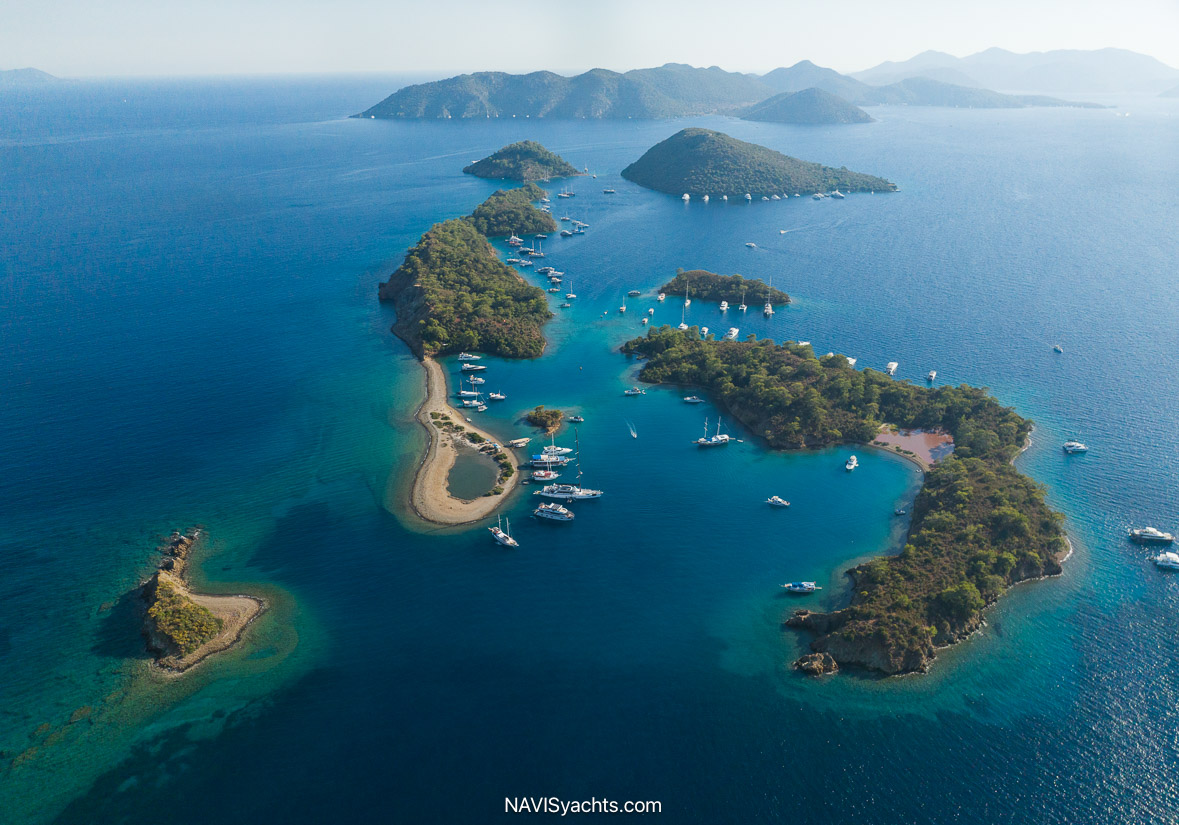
pixel 607 191
pixel 519 442
pixel 900 511
pixel 472 367
pixel 851 362
pixel 718 440
pixel 837 195
pixel 724 197
pixel 932 375
pixel 565 218
pixel 764 198
pixel 748 197
pixel 1075 447
pixel 706 198
pixel 541 237
pixel 732 334
pixel 468 393
pixel 651 311
pixel 851 464
pixel 477 380
pixel 662 297
pixel 645 320
pixel 801 587
pixel 686 197
pixel 703 332
pixel 751 245
pixel 481 408
pixel 496 396
pixel 504 537
pixel 554 289
pixel 515 241
pixel 777 501
pixel 634 293
pixel 576 419
pixel 775 197
pixel 693 399
pixel 891 367
pixel 565 305
pixel 565 233
pixel 724 306
pixel 634 391
pixel 1058 348
pixel 768 309
pixel 545 475
pixel 818 196
pixel 512 261
pixel 472 402
pixel 1168 560
pixel 466 356
pixel 553 512
pixel 1149 535
pixel 682 325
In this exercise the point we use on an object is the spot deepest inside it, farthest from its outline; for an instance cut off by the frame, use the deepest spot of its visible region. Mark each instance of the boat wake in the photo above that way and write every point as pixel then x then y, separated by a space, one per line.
pixel 630 426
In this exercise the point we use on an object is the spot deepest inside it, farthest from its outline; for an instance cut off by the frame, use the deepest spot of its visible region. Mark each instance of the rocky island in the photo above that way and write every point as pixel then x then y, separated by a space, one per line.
pixel 182 627
pixel 979 526
pixel 453 294
pixel 810 107
pixel 523 161
pixel 704 162
pixel 709 286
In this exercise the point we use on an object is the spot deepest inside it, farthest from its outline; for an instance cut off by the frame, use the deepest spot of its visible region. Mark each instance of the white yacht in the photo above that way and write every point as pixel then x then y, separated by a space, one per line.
pixel 497 396
pixel 686 197
pixel 693 399
pixel 662 297
pixel 891 367
pixel 851 362
pixel 1149 535
pixel 466 356
pixel 645 320
pixel 1075 447
pixel 703 332
pixel 553 511
pixel 748 197
pixel 634 391
pixel 475 379
pixel 718 440
pixel 651 311
pixel 504 537
pixel 724 306
pixel 472 367
pixel 777 501
pixel 553 449
pixel 852 463
pixel 768 309
pixel 705 199
pixel 837 195
pixel 801 587
pixel 751 245
pixel 932 375
pixel 568 492
pixel 475 402
pixel 732 334
pixel 1169 560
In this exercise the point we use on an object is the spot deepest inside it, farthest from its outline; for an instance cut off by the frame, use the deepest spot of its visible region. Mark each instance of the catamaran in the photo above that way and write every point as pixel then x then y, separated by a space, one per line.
pixel 504 537
pixel 768 309
pixel 718 440
pixel 623 307
pixel 742 307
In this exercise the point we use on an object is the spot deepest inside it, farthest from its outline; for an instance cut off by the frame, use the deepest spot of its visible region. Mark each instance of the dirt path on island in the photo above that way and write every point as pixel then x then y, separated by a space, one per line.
pixel 430 495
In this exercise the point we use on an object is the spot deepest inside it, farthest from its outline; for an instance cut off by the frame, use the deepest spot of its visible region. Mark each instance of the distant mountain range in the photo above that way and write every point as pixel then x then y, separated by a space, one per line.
pixel 677 90
pixel 17 78
pixel 809 106
pixel 1102 71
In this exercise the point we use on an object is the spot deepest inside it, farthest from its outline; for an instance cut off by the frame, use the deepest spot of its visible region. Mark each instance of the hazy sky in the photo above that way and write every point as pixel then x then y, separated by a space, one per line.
pixel 152 37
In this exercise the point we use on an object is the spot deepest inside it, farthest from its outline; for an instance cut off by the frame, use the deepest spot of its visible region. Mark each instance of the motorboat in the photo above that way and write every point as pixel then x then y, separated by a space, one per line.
pixel 732 334
pixel 777 501
pixel 751 245
pixel 801 587
pixel 568 492
pixel 634 293
pixel 634 391
pixel 662 297
pixel 931 376
pixel 694 399
pixel 724 306
pixel 497 396
pixel 851 464
pixel 553 512
pixel 577 419
pixel 553 449
pixel 703 332
pixel 1075 447
pixel 1149 535
pixel 1168 560
pixel 891 367
pixel 466 356
pixel 545 475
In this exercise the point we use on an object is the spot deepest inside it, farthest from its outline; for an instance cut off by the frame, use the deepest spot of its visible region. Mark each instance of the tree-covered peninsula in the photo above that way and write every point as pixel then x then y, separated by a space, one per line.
pixel 704 162
pixel 703 285
pixel 511 210
pixel 978 527
pixel 524 161
pixel 452 293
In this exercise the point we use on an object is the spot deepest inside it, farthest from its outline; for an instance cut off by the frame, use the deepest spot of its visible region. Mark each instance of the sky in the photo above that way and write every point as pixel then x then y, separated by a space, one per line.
pixel 81 38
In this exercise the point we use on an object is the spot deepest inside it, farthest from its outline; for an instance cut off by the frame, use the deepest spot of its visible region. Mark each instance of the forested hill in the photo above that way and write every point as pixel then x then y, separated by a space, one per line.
pixel 704 162
pixel 809 106
pixel 524 161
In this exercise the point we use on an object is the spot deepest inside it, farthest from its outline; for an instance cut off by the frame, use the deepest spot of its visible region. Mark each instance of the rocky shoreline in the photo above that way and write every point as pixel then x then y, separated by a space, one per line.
pixel 168 588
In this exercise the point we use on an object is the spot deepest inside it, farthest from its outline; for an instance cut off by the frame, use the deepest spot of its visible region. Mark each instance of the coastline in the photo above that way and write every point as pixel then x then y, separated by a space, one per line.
pixel 429 495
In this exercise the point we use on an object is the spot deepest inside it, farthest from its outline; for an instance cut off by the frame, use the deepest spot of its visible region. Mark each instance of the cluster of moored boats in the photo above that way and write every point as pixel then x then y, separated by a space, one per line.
pixel 785 196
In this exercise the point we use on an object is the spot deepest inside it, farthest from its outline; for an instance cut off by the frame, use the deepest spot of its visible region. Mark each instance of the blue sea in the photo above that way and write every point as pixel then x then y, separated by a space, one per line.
pixel 190 335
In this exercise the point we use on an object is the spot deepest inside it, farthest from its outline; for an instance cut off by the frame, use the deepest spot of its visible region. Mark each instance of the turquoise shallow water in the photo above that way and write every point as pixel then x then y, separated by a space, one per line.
pixel 191 335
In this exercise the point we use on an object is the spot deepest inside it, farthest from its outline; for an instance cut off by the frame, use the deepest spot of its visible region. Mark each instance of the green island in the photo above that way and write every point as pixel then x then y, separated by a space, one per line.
pixel 184 624
pixel 979 526
pixel 524 161
pixel 709 286
pixel 548 420
pixel 454 294
pixel 704 162
pixel 808 106
pixel 509 211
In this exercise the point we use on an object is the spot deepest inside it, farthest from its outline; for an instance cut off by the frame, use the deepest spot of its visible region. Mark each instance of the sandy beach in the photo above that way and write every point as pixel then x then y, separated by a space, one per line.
pixel 430 495
pixel 921 447
pixel 235 613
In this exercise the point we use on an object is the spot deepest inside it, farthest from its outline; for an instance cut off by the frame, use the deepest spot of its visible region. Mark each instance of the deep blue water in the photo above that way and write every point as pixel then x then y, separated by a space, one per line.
pixel 191 335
